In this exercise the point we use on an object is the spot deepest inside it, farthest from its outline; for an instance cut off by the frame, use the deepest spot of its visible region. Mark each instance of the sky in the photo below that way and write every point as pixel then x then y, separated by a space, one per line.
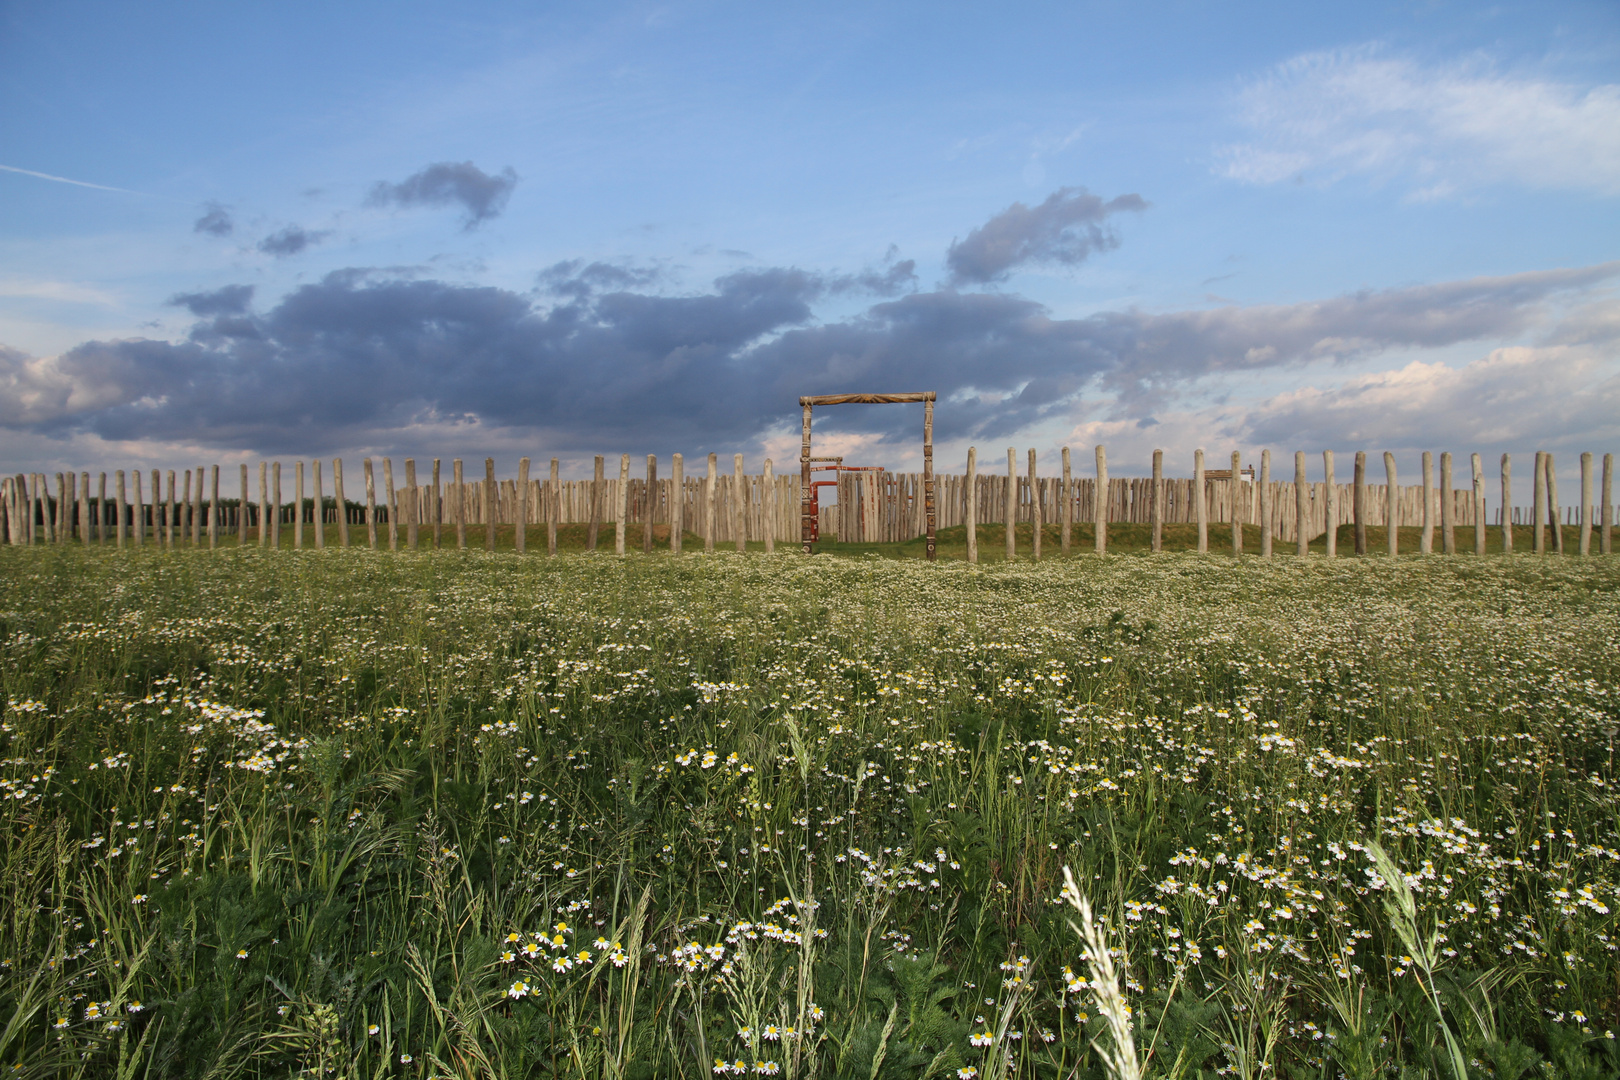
pixel 232 232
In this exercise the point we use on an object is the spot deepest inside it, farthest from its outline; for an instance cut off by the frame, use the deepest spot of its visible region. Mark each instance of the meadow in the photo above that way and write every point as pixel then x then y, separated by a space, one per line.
pixel 412 814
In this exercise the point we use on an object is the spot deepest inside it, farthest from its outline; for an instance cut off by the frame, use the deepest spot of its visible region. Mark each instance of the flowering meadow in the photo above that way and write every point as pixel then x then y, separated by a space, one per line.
pixel 356 814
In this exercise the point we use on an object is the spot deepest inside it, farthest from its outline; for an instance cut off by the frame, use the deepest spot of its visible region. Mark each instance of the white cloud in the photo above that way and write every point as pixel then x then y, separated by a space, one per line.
pixel 1326 115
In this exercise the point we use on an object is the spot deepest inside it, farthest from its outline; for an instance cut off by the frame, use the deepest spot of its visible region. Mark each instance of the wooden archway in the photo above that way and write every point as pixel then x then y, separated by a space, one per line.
pixel 807 403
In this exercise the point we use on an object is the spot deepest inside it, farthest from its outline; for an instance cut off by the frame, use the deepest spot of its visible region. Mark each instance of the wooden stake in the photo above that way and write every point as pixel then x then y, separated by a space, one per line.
pixel 490 504
pixel 806 515
pixel 320 506
pixel 298 515
pixel 1036 517
pixel 460 509
pixel 119 528
pixel 1392 511
pixel 1538 506
pixel 168 510
pixel 1554 511
pixel 652 503
pixel 709 483
pixel 1067 512
pixel 769 483
pixel 1607 508
pixel 1448 510
pixel 1302 506
pixel 1358 501
pixel 521 537
pixel 1265 504
pixel 1009 507
pixel 553 509
pixel 1477 468
pixel 930 484
pixel 1586 504
pixel 970 509
pixel 342 503
pixel 739 509
pixel 621 505
pixel 597 484
pixel 1330 506
pixel 438 504
pixel 410 509
pixel 1237 510
pixel 1507 504
pixel 677 500
pixel 371 503
pixel 1201 501
pixel 1099 502
pixel 1426 538
pixel 1156 513
pixel 138 522
pixel 241 506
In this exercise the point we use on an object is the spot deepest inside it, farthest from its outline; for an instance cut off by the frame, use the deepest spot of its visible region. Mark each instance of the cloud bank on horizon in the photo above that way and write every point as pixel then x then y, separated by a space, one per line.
pixel 427 302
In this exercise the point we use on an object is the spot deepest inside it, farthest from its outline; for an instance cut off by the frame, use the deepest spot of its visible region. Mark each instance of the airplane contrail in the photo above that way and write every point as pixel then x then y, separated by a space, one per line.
pixel 65 180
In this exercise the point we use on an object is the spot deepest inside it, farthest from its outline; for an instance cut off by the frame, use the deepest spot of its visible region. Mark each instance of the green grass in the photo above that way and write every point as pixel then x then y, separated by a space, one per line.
pixel 283 814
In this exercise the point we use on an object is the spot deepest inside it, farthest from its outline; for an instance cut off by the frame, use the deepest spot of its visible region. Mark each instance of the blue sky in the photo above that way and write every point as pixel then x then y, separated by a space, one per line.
pixel 230 231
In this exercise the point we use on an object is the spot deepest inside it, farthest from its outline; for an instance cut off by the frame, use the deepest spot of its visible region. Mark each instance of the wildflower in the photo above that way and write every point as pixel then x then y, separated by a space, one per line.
pixel 508 956
pixel 981 1038
pixel 241 954
pixel 966 1072
pixel 372 1029
pixel 531 949
pixel 771 1033
pixel 61 1022
pixel 405 1059
pixel 583 957
pixel 767 1068
pixel 135 1006
pixel 816 1014
pixel 138 898
pixel 721 1066
pixel 519 989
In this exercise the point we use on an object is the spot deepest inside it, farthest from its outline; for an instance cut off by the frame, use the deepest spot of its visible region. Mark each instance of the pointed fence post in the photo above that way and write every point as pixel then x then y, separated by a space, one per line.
pixel 1237 511
pixel 970 509
pixel 459 479
pixel 491 503
pixel 652 503
pixel 1201 501
pixel 1067 513
pixel 553 508
pixel 1358 501
pixel 739 508
pixel 1009 507
pixel 621 505
pixel 597 483
pixel 342 502
pixel 1392 506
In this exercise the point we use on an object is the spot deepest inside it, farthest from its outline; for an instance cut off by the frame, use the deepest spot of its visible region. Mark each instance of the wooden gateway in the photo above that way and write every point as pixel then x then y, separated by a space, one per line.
pixel 927 397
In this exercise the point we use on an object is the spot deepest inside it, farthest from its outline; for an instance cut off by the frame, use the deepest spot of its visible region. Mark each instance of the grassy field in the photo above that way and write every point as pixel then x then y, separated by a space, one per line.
pixel 453 814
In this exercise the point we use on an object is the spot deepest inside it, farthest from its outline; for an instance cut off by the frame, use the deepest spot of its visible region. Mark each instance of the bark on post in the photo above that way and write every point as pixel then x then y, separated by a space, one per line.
pixel 806 525
pixel 1477 470
pixel 59 518
pixel 320 506
pixel 597 484
pixel 621 505
pixel 298 515
pixel 119 527
pixel 1607 508
pixel 652 502
pixel 1507 505
pixel 1302 506
pixel 1156 513
pixel 241 506
pixel 970 510
pixel 1554 511
pixel 342 503
pixel 1265 504
pixel 1538 505
pixel 1009 505
pixel 1099 506
pixel 1358 501
pixel 521 536
pixel 490 502
pixel 1330 506
pixel 409 508
pixel 1448 512
pixel 1586 504
pixel 1067 496
pixel 1035 516
pixel 1392 506
pixel 677 502
pixel 768 482
pixel 371 504
pixel 1426 538
pixel 930 484
pixel 138 511
pixel 459 480
pixel 101 510
pixel 1237 512
pixel 84 504
pixel 553 508
pixel 438 504
pixel 264 504
pixel 168 510
pixel 710 480
pixel 739 510
pixel 1200 501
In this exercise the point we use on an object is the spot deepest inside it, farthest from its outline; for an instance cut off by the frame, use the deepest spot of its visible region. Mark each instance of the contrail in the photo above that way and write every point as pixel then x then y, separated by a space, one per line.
pixel 65 180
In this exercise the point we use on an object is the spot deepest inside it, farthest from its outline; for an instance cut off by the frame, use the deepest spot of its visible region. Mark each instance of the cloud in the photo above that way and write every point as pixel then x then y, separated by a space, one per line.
pixel 1441 129
pixel 363 358
pixel 230 300
pixel 445 183
pixel 1066 228
pixel 290 241
pixel 215 222
pixel 576 278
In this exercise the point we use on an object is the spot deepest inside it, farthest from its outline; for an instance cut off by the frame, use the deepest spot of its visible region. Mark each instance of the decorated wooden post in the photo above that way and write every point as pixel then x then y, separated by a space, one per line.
pixel 806 513
pixel 930 485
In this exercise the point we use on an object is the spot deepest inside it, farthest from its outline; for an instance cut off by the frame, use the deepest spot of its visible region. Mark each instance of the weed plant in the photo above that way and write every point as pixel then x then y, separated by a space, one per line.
pixel 355 814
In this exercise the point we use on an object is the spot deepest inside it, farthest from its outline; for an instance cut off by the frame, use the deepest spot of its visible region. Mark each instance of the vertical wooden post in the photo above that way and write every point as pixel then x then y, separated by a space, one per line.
pixel 275 503
pixel 342 502
pixel 264 504
pixel 709 481
pixel 1607 507
pixel 621 505
pixel 521 536
pixel 390 504
pixel 1507 504
pixel 1554 511
pixel 1392 505
pixel 1036 517
pixel 298 514
pixel 438 504
pixel 138 513
pixel 1099 502
pixel 1330 506
pixel 168 510
pixel 677 501
pixel 970 509
pixel 767 481
pixel 1237 503
pixel 408 507
pixel 1358 501
pixel 180 506
pixel 805 491
pixel 101 510
pixel 1426 538
pixel 1448 510
pixel 491 511
pixel 596 505
pixel 1538 506
pixel 460 509
pixel 319 519
pixel 241 506
pixel 1200 501
pixel 930 484
pixel 1302 506
pixel 739 508
pixel 1265 504
pixel 197 510
pixel 119 526
pixel 1477 468
pixel 1009 506
pixel 371 503
pixel 1067 512
pixel 553 508
pixel 84 505
pixel 60 522
pixel 1156 513
pixel 652 504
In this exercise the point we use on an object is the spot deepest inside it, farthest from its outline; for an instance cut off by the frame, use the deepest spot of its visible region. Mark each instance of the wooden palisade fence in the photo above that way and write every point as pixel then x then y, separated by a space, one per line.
pixel 732 506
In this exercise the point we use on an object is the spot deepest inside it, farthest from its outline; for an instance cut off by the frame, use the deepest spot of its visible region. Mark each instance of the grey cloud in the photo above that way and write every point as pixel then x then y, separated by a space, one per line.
pixel 215 222
pixel 1066 228
pixel 576 278
pixel 894 279
pixel 363 358
pixel 230 300
pixel 447 183
pixel 290 241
